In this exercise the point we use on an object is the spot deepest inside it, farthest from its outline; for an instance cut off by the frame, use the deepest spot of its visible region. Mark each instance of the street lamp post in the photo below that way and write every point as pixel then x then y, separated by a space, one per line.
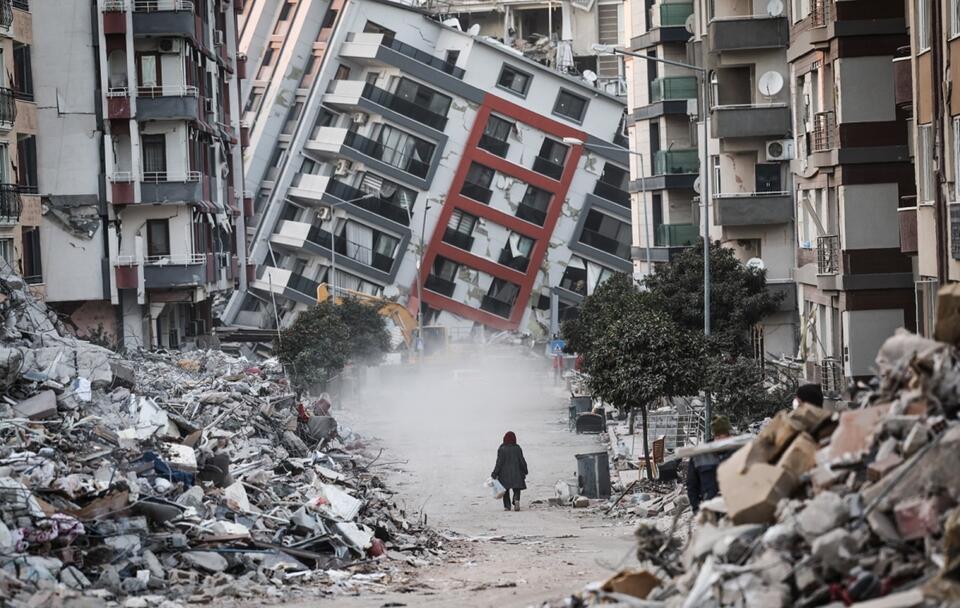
pixel 419 343
pixel 704 193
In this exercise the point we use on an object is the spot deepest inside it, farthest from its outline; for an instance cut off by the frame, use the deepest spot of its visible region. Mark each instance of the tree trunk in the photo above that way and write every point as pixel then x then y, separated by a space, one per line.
pixel 646 442
pixel 631 418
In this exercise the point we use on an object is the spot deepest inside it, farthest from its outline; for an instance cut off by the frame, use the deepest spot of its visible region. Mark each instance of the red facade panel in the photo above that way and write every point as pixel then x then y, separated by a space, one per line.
pixel 122 193
pixel 127 276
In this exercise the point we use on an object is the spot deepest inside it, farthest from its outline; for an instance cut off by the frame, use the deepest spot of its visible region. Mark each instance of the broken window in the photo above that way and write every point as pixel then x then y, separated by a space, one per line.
pixel 533 207
pixel 570 105
pixel 32 266
pixel 514 80
pixel 516 252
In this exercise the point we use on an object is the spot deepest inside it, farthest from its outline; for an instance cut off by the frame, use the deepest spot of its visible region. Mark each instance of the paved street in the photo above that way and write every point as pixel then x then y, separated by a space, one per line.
pixel 447 424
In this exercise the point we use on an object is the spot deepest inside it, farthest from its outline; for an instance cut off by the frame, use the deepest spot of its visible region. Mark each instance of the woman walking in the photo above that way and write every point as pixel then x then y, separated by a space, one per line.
pixel 510 470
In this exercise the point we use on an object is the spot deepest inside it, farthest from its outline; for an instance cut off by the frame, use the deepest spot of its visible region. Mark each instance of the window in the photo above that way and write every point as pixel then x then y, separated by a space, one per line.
pixel 422 96
pixel 451 57
pixel 768 177
pixel 618 177
pixel 533 207
pixel 154 149
pixel 514 80
pixel 22 72
pixel 495 134
pixel 480 175
pixel 293 117
pixel 444 268
pixel 32 261
pixel 553 151
pixel 6 251
pixel 570 105
pixel 372 78
pixel 954 18
pixel 924 154
pixel 404 151
pixel 462 222
pixel 503 291
pixel 606 233
pixel 516 252
pixel 266 68
pixel 956 159
pixel 149 73
pixel 275 163
pixel 392 193
pixel 715 164
pixel 158 238
pixel 329 18
pixel 27 163
pixel 343 72
pixel 310 72
pixel 373 28
pixel 253 103
pixel 923 24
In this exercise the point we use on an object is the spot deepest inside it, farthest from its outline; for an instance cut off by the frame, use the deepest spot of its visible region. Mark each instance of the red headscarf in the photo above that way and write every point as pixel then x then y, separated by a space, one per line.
pixel 510 437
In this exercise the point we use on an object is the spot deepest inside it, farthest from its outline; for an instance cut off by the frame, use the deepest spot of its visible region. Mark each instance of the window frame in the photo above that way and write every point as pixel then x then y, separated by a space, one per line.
pixel 165 238
pixel 923 25
pixel 953 11
pixel 583 111
pixel 924 153
pixel 526 88
pixel 956 159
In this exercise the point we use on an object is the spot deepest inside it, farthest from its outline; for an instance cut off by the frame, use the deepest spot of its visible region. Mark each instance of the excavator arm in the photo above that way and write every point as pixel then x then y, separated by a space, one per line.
pixel 400 316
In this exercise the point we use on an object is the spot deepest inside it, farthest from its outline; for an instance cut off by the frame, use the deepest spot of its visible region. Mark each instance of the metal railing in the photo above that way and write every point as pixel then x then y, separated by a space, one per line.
pixel 444 287
pixel 11 205
pixel 175 259
pixel 666 162
pixel 495 306
pixel 476 192
pixel 8 107
pixel 545 166
pixel 402 106
pixel 824 131
pixel 425 58
pixel 158 177
pixel 6 14
pixel 493 145
pixel 674 15
pixel 831 377
pixel 118 92
pixel 347 248
pixel 828 254
pixel 23 5
pixel 368 201
pixel 612 193
pixel 168 90
pixel 605 243
pixel 676 235
pixel 820 13
pixel 114 6
pixel 736 195
pixel 673 87
pixel 458 239
pixel 301 284
pixel 151 6
pixel 401 159
pixel 531 214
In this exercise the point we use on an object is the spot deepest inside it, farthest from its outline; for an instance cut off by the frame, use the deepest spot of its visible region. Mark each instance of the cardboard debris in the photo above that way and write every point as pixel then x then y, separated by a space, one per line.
pixel 751 491
pixel 636 583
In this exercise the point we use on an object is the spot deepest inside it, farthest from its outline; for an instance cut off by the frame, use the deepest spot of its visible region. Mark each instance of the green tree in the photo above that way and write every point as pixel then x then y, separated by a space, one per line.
pixel 315 347
pixel 597 312
pixel 369 337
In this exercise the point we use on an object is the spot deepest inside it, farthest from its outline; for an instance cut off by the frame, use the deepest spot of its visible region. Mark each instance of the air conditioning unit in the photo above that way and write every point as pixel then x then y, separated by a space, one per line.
pixel 208 106
pixel 780 149
pixel 170 45
pixel 218 38
pixel 359 118
pixel 343 167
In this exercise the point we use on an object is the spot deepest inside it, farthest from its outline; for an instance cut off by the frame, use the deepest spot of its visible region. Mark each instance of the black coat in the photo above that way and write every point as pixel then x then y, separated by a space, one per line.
pixel 511 468
pixel 702 477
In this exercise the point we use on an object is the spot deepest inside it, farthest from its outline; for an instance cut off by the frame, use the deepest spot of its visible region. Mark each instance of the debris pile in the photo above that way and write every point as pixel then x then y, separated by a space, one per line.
pixel 858 507
pixel 169 478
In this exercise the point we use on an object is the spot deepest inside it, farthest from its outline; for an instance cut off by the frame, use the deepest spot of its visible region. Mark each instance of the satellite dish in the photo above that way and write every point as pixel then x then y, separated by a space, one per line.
pixel 691 24
pixel 696 185
pixel 474 29
pixel 775 8
pixel 755 264
pixel 590 76
pixel 770 83
pixel 453 22
pixel 391 291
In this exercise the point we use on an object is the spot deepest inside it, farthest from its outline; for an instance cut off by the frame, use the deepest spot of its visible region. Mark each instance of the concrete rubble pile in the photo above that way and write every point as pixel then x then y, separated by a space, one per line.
pixel 166 479
pixel 857 507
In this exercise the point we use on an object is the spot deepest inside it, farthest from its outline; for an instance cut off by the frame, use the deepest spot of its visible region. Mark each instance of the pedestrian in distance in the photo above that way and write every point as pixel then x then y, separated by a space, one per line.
pixel 510 470
pixel 702 469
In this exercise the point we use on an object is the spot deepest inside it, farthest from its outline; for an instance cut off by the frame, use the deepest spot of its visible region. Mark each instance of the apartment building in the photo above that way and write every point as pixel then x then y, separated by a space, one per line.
pixel 140 166
pixel 19 203
pixel 661 123
pixel 743 45
pixel 930 221
pixel 852 172
pixel 498 177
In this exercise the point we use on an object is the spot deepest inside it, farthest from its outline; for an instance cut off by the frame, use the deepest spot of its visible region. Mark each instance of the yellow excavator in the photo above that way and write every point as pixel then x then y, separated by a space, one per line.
pixel 400 317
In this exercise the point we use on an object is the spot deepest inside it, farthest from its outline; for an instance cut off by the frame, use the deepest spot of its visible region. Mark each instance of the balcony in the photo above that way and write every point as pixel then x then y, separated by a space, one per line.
pixel 168 102
pixel 476 192
pixel 531 214
pixel 907 217
pixel 676 235
pixel 165 187
pixel 425 58
pixel 823 138
pixel 172 271
pixel 399 158
pixel 11 205
pixel 741 33
pixel 444 287
pixel 750 120
pixel 164 18
pixel 605 243
pixel 753 208
pixel 612 193
pixel 903 81
pixel 404 107
pixel 118 103
pixel 8 108
pixel 673 88
pixel 6 17
pixel 458 239
pixel 493 145
pixel 676 162
pixel 368 201
pixel 674 14
pixel 495 306
pixel 828 255
pixel 545 166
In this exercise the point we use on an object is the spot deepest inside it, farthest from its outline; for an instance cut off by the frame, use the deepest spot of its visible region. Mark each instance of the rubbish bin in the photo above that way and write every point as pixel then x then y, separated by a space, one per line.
pixel 593 475
pixel 579 405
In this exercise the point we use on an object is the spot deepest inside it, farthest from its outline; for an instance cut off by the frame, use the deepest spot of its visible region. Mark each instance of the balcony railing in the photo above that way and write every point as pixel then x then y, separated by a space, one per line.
pixel 6 14
pixel 676 235
pixel 23 5
pixel 831 377
pixel 152 6
pixel 168 90
pixel 545 166
pixel 824 128
pixel 458 239
pixel 425 58
pixel 612 193
pixel 620 139
pixel 159 177
pixel 531 214
pixel 8 107
pixel 302 284
pixel 675 15
pixel 820 13
pixel 175 259
pixel 405 107
pixel 828 254
pixel 11 206
pixel 347 248
pixel 673 87
pixel 440 285
pixel 605 243
pixel 493 145
pixel 399 158
pixel 670 162
pixel 517 262
pixel 476 192
pixel 495 306
pixel 368 201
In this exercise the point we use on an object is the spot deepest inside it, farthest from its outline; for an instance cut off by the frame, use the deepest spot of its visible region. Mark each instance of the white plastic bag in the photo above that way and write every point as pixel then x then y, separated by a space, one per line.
pixel 498 489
